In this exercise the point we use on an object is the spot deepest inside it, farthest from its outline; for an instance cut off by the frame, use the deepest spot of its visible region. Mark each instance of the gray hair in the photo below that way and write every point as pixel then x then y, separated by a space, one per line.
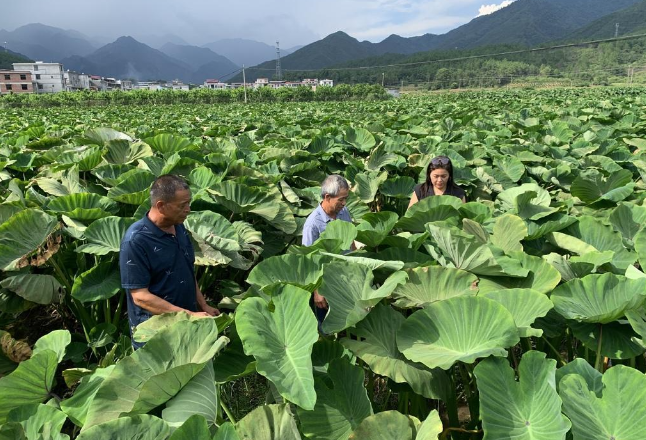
pixel 165 187
pixel 333 184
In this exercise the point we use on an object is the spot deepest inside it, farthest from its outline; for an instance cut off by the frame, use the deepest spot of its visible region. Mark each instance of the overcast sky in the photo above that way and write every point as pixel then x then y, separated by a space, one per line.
pixel 292 22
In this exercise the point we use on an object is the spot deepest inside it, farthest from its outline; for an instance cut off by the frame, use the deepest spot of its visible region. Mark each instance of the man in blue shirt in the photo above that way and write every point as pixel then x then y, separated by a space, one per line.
pixel 334 195
pixel 157 258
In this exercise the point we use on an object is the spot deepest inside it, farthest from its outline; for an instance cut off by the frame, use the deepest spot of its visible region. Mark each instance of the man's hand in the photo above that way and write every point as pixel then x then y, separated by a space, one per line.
pixel 210 311
pixel 320 301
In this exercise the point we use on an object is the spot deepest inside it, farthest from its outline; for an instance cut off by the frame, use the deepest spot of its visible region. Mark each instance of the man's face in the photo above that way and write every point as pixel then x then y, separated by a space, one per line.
pixel 177 209
pixel 337 203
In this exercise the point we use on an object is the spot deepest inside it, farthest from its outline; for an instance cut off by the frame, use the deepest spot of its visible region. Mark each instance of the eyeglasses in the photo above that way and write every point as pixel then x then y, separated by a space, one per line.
pixel 440 161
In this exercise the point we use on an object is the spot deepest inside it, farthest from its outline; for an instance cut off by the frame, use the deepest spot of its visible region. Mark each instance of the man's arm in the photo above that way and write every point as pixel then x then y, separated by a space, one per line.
pixel 156 305
pixel 201 302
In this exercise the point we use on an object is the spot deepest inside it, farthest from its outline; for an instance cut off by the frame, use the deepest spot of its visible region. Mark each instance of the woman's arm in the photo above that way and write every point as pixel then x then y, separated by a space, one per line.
pixel 413 199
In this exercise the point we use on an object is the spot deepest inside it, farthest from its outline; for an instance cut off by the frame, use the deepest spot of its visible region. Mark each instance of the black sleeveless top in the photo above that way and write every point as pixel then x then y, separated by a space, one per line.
pixel 451 190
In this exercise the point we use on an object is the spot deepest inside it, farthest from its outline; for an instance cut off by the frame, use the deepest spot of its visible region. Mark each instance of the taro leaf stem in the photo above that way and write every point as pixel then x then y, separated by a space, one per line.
pixel 227 411
pixel 598 365
pixel 556 352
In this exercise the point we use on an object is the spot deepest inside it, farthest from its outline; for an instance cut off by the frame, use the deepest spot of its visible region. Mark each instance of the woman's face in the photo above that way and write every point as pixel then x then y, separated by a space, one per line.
pixel 439 178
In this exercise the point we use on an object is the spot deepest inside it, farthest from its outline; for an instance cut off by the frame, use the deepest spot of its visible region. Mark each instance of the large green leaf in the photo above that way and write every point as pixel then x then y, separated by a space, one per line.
pixel 77 406
pixel 617 414
pixel 602 238
pixel 102 135
pixel 199 396
pixel 39 421
pixel 226 431
pixel 427 285
pixel 461 329
pixel 268 422
pixel 237 197
pixel 218 241
pixel 32 382
pixel 304 271
pixel 83 206
pixel 340 405
pixel 618 339
pixel 400 187
pixel 374 227
pixel 529 409
pixel 376 345
pixel 281 337
pixel 155 373
pixel 40 289
pixel 133 189
pixel 120 151
pixel 542 276
pixel 430 209
pixel 195 428
pixel 582 368
pixel 22 234
pixel 140 427
pixel 590 186
pixel 104 235
pixel 525 305
pixel 149 328
pixel 103 281
pixel 599 298
pixel 387 425
pixel 367 185
pixel 528 201
pixel 350 295
pixel 467 253
pixel 628 219
pixel 360 138
pixel 56 341
pixel 508 231
pixel 168 144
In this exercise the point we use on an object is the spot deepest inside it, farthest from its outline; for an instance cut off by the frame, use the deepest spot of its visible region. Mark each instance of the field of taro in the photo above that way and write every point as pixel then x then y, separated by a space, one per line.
pixel 520 314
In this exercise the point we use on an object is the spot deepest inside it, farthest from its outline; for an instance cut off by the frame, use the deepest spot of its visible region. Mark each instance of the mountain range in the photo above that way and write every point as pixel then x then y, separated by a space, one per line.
pixel 524 22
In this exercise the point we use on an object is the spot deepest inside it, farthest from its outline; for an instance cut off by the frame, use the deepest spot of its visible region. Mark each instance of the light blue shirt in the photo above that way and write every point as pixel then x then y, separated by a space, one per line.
pixel 317 221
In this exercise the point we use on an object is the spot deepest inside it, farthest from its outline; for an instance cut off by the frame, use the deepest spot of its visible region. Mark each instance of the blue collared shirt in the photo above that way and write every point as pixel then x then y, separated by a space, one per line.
pixel 317 221
pixel 160 261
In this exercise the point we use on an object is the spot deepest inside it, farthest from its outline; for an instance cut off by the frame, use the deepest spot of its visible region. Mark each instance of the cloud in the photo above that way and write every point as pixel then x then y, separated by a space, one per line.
pixel 490 9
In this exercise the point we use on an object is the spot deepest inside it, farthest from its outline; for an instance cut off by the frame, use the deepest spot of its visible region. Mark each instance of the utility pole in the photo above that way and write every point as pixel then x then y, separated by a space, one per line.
pixel 5 46
pixel 616 30
pixel 279 70
pixel 383 78
pixel 244 84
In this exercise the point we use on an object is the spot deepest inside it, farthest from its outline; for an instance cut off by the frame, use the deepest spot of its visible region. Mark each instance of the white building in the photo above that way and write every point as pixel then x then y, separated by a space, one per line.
pixel 48 77
pixel 76 81
pixel 178 85
pixel 148 85
pixel 97 83
pixel 261 82
pixel 326 83
pixel 215 84
pixel 126 84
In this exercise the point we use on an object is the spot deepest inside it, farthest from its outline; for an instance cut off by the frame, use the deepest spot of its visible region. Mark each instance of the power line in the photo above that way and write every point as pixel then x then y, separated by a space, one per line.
pixel 470 57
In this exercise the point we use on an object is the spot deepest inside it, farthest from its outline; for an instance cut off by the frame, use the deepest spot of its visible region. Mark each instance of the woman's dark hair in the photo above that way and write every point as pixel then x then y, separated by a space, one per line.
pixel 437 163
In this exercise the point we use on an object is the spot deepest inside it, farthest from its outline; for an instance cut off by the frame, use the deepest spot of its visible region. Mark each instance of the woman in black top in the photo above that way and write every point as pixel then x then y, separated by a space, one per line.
pixel 439 181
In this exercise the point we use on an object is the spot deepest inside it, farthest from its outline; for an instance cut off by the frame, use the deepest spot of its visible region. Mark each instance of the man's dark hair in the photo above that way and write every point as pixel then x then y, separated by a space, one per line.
pixel 165 187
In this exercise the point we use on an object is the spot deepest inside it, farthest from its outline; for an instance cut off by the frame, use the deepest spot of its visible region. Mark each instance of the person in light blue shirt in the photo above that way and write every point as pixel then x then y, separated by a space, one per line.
pixel 334 195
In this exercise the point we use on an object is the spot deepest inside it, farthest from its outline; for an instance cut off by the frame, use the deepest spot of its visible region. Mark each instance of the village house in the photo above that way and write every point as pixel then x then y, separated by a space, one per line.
pixel 48 77
pixel 12 81
pixel 75 81
pixel 215 84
